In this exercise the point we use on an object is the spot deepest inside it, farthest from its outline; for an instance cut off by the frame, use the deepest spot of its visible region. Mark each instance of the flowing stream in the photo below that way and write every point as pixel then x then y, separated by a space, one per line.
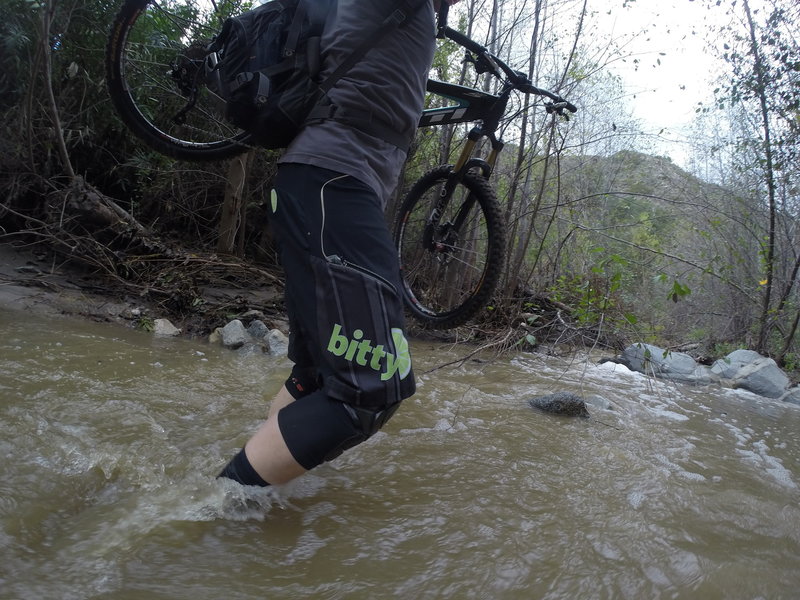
pixel 111 439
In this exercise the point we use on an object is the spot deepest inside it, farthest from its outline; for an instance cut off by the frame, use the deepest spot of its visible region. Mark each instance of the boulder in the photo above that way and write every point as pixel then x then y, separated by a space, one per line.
pixel 675 366
pixel 743 369
pixel 749 370
pixel 565 404
pixel 792 395
pixel 728 367
pixel 763 377
pixel 234 335
pixel 278 342
pixel 257 329
pixel 165 327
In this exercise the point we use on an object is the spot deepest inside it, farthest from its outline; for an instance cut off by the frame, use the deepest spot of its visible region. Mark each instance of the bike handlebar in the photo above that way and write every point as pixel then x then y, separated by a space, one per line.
pixel 497 67
pixel 558 104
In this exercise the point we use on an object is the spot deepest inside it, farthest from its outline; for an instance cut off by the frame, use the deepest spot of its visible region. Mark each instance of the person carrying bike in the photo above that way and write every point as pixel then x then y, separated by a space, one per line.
pixel 352 366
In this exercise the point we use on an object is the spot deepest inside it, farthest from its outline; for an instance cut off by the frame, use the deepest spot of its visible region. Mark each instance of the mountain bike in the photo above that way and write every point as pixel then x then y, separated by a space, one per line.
pixel 450 234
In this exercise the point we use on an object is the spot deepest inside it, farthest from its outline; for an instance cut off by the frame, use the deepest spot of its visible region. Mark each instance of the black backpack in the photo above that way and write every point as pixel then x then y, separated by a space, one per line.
pixel 269 68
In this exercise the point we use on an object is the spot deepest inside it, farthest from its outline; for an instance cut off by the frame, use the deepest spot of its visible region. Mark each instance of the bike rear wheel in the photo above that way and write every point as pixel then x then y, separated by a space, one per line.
pixel 450 265
pixel 158 81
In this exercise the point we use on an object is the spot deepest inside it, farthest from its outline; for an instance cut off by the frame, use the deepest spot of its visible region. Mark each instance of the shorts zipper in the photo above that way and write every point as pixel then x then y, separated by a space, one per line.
pixel 339 261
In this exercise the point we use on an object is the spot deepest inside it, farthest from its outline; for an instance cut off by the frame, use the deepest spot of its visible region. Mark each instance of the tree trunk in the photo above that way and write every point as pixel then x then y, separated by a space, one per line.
pixel 48 8
pixel 787 343
pixel 522 165
pixel 233 208
pixel 769 252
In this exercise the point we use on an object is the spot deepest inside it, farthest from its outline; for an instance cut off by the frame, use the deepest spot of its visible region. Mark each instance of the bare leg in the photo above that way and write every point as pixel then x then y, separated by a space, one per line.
pixel 267 451
pixel 269 455
pixel 266 455
pixel 281 399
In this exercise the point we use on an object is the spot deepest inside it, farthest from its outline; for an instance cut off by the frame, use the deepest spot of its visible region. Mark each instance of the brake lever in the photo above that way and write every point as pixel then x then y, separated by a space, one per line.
pixel 557 108
pixel 484 65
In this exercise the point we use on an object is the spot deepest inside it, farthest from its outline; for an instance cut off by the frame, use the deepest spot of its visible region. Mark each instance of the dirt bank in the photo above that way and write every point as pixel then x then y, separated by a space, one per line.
pixel 33 280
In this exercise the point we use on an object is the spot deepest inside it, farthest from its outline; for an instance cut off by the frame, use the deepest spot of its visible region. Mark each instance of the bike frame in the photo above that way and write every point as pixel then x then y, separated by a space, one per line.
pixel 472 105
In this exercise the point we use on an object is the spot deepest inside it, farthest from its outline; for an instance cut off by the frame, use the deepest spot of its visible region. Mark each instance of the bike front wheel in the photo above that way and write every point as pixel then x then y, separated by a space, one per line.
pixel 451 253
pixel 160 80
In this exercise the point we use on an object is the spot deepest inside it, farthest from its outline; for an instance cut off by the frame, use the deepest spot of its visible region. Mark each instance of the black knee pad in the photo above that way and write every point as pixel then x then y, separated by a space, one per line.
pixel 370 420
pixel 367 420
pixel 317 428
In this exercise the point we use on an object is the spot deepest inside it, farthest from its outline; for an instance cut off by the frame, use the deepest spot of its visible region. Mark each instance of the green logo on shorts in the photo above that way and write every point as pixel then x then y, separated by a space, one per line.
pixel 376 357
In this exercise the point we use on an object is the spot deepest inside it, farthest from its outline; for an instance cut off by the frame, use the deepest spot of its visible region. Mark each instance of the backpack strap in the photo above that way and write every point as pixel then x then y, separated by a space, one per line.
pixel 293 35
pixel 396 18
pixel 327 110
pixel 371 125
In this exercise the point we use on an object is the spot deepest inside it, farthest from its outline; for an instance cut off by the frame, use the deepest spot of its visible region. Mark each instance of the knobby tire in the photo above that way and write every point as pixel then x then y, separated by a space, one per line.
pixel 149 37
pixel 449 275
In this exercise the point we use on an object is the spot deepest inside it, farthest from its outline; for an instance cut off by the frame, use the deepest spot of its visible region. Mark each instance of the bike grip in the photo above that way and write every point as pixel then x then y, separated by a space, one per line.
pixel 441 18
pixel 571 107
pixel 529 88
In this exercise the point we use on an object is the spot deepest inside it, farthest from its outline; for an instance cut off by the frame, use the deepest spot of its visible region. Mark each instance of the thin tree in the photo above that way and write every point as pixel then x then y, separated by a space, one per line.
pixel 759 73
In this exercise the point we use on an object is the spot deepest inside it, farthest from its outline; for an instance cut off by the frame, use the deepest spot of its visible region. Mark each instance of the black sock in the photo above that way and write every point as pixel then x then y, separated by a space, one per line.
pixel 240 470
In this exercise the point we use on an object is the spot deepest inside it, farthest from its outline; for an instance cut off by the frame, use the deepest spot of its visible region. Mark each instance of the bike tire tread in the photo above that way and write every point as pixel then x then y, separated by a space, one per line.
pixel 487 200
pixel 130 115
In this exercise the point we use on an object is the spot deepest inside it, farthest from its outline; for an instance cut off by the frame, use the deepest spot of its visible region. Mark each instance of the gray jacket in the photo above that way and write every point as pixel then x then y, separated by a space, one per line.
pixel 387 84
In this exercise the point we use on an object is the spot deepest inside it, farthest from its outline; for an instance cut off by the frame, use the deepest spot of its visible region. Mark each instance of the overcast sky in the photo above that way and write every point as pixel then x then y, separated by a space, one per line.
pixel 675 69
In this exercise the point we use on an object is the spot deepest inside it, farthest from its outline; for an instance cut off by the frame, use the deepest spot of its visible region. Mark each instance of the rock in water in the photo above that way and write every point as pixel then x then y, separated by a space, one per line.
pixel 561 403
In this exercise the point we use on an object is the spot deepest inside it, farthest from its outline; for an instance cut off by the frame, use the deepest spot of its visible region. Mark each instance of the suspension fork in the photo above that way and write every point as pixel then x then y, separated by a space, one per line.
pixel 431 237
pixel 465 163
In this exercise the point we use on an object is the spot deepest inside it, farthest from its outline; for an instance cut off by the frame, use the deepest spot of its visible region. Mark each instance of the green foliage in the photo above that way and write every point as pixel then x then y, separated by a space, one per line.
pixel 446 61
pixel 596 298
pixel 17 36
pixel 146 323
pixel 601 236
pixel 179 198
pixel 722 349
pixel 791 362
pixel 763 53
pixel 677 291
pixel 528 341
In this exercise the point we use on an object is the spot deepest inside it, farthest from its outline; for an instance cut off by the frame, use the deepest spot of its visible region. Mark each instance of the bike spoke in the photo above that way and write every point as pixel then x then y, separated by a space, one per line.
pixel 160 69
pixel 446 272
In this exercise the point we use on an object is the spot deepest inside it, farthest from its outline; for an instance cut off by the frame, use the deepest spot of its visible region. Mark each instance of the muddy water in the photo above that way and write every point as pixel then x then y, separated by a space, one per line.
pixel 110 440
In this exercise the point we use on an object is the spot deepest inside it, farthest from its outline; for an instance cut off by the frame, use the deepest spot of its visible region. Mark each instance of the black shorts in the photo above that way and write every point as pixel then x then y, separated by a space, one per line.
pixel 342 286
pixel 345 310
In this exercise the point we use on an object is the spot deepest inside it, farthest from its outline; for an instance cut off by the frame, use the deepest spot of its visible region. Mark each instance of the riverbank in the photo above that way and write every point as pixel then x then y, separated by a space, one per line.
pixel 32 280
pixel 221 289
